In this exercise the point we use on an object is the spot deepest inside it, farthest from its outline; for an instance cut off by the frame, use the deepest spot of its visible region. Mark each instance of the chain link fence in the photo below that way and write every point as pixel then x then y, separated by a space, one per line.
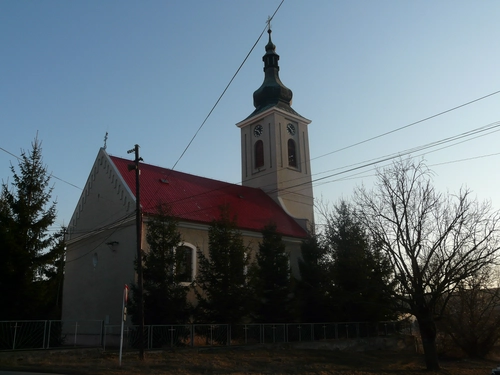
pixel 47 334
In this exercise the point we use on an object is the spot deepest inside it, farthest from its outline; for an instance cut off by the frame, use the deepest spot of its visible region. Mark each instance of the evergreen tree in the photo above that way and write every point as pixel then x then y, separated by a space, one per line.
pixel 270 276
pixel 222 287
pixel 164 293
pixel 311 297
pixel 54 277
pixel 26 213
pixel 358 271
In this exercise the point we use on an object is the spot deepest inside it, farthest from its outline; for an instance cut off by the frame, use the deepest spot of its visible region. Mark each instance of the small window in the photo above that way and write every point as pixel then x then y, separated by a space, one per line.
pixel 259 154
pixel 292 154
pixel 184 265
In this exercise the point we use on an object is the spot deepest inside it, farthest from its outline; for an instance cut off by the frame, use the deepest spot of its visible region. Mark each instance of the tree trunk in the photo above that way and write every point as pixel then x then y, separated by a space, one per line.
pixel 427 328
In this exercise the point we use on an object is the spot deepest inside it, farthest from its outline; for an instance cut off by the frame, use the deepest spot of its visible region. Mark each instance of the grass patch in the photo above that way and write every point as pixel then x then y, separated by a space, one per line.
pixel 235 361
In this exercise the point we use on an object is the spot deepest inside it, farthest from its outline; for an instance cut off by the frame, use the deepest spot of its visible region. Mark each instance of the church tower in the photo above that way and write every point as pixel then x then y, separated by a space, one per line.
pixel 275 145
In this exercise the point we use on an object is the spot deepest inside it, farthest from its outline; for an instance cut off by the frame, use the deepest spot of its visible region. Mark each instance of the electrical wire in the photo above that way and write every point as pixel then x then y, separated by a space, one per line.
pixel 51 175
pixel 227 87
pixel 92 249
pixel 223 92
pixel 400 154
pixel 407 126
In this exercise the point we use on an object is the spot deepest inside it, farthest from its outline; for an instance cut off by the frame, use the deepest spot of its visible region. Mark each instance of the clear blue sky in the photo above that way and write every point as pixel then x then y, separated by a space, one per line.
pixel 149 73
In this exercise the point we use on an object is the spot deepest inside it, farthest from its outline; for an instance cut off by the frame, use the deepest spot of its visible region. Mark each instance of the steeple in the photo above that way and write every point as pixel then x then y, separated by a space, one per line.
pixel 272 92
pixel 275 145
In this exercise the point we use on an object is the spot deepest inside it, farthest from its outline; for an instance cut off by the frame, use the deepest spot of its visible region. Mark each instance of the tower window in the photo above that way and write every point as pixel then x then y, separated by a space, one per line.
pixel 292 154
pixel 259 154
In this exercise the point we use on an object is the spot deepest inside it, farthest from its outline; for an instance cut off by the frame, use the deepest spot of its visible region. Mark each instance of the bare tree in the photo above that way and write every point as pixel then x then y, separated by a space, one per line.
pixel 433 241
pixel 472 316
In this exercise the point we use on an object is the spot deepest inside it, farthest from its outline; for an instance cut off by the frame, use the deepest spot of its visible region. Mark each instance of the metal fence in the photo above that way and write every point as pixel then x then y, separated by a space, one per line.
pixel 46 334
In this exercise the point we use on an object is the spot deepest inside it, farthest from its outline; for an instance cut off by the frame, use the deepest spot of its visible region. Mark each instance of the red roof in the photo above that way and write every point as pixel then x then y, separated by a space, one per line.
pixel 198 199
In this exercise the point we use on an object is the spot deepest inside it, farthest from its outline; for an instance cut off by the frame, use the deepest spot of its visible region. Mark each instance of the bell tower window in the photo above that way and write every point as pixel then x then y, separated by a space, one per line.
pixel 259 154
pixel 292 154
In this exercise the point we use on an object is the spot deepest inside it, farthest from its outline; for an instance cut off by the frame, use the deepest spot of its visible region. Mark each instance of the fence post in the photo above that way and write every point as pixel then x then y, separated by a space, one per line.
pixel 171 330
pixel 150 339
pixel 192 334
pixel 151 329
pixel 76 331
pixel 48 335
pixel 104 338
pixel 101 338
pixel 15 334
pixel 44 332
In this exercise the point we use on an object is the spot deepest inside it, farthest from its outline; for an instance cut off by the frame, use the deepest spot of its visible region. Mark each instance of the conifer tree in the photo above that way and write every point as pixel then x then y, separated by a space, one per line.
pixel 311 297
pixel 164 293
pixel 26 213
pixel 359 273
pixel 221 283
pixel 271 288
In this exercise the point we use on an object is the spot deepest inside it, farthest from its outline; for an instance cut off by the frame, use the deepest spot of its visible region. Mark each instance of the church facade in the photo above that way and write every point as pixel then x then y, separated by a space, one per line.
pixel 276 188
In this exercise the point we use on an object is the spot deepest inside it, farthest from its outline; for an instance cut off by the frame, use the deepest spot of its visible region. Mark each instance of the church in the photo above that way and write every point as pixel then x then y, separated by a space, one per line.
pixel 276 188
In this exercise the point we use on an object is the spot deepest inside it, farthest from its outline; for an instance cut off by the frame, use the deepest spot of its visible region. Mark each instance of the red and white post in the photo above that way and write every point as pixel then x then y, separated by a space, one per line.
pixel 124 318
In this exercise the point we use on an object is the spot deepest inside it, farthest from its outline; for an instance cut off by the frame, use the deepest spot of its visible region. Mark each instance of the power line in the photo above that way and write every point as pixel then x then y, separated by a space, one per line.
pixel 381 135
pixel 494 125
pixel 92 249
pixel 365 164
pixel 407 126
pixel 466 159
pixel 402 153
pixel 51 175
pixel 374 161
pixel 115 224
pixel 227 86
pixel 225 89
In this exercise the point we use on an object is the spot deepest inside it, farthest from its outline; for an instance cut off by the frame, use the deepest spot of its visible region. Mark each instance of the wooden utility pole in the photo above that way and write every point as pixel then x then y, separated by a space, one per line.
pixel 138 223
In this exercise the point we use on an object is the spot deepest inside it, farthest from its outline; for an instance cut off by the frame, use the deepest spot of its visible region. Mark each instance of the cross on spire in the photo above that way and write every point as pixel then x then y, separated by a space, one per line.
pixel 269 18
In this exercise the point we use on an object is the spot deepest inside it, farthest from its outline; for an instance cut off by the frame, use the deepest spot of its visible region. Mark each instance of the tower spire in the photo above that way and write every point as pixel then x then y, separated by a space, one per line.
pixel 272 92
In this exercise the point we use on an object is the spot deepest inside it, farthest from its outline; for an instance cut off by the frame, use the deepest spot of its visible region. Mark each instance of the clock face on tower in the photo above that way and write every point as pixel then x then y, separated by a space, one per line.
pixel 290 129
pixel 257 131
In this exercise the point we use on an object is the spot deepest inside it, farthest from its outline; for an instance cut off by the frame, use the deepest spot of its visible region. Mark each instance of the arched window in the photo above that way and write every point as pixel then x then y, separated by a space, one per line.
pixel 184 264
pixel 292 154
pixel 259 154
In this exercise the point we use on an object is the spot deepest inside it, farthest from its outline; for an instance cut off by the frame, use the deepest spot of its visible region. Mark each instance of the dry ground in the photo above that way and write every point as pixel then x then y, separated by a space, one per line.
pixel 233 360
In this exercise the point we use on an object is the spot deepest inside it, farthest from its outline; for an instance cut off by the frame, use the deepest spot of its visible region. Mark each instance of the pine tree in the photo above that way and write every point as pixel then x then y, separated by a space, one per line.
pixel 271 286
pixel 222 287
pixel 164 293
pixel 26 213
pixel 311 297
pixel 359 273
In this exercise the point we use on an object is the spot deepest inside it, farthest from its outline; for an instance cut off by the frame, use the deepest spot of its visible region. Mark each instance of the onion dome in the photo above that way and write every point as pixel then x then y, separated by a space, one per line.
pixel 272 92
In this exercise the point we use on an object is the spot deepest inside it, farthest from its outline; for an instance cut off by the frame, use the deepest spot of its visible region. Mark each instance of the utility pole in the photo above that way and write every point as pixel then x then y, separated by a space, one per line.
pixel 138 223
